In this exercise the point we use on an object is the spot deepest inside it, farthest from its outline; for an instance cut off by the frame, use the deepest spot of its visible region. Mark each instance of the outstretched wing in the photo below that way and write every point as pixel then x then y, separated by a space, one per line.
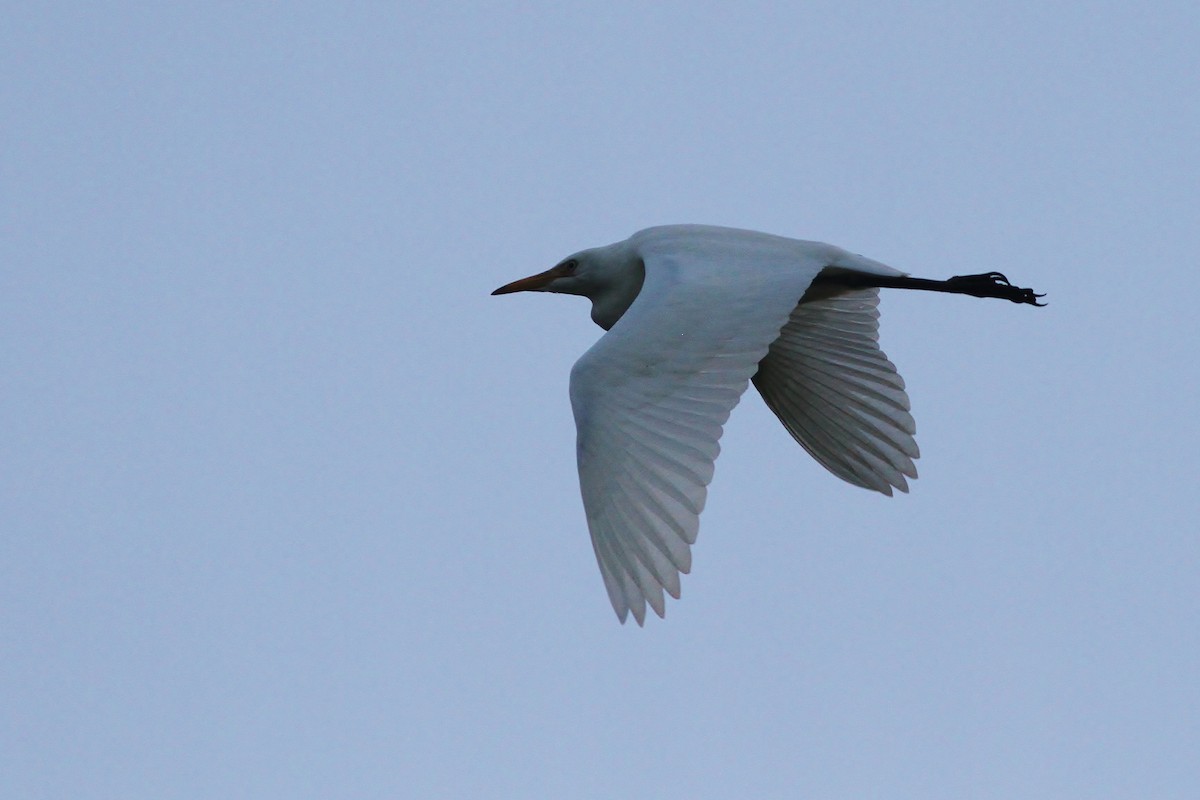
pixel 838 394
pixel 651 397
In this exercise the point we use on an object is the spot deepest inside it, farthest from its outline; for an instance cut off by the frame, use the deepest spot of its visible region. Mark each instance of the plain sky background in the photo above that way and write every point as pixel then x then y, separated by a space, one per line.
pixel 289 502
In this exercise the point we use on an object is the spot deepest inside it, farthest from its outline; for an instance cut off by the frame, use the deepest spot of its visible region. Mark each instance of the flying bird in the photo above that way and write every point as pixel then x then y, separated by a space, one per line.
pixel 693 314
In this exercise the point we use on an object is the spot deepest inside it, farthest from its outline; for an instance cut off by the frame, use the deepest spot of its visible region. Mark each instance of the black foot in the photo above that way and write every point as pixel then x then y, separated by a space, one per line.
pixel 992 284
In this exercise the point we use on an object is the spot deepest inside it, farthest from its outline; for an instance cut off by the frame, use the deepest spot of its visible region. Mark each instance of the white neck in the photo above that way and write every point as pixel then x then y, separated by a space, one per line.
pixel 623 276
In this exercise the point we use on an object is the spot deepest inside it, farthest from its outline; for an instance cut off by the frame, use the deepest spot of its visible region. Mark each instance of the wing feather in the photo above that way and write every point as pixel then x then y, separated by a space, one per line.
pixel 838 394
pixel 652 396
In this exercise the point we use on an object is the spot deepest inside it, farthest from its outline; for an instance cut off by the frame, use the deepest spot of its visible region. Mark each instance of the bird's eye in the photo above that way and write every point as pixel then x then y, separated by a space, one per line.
pixel 569 266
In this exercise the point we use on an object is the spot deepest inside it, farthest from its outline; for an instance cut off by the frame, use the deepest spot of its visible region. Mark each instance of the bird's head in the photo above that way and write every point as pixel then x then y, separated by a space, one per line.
pixel 573 275
pixel 610 277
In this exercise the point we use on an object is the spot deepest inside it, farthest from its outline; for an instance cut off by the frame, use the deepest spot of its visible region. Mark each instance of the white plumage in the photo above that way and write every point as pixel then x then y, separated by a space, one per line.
pixel 694 313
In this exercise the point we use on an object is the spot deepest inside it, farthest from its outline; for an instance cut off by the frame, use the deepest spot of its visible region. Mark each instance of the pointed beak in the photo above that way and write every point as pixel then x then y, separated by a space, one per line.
pixel 533 283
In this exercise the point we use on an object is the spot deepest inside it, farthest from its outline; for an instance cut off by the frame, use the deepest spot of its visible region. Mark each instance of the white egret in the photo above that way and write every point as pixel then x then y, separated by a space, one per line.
pixel 693 314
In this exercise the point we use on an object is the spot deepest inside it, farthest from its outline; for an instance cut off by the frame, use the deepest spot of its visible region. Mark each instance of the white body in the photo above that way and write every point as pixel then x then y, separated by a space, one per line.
pixel 693 313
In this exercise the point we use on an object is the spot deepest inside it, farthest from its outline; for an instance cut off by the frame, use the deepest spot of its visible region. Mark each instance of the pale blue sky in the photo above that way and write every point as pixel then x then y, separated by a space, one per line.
pixel 288 500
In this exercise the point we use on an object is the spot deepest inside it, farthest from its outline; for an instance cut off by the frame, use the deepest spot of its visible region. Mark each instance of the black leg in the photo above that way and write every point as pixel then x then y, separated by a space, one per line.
pixel 988 284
